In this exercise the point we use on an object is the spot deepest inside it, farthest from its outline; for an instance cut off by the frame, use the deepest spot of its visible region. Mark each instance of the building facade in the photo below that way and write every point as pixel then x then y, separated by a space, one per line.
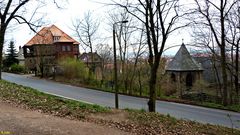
pixel 49 45
pixel 183 70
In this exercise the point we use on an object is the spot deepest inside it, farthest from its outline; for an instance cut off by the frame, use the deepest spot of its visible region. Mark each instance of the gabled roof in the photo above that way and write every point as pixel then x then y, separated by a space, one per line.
pixel 183 61
pixel 87 57
pixel 46 36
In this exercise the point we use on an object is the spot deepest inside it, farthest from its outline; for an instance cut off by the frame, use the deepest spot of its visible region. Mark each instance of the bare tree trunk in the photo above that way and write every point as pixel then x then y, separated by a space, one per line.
pixel 219 88
pixel 152 89
pixel 223 55
pixel 2 33
pixel 236 77
pixel 224 76
pixel 133 74
pixel 2 37
pixel 231 76
pixel 152 84
pixel 140 82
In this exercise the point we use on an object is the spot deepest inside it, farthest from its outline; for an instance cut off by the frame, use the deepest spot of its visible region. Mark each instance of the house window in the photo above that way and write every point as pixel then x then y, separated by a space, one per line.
pixel 28 50
pixel 63 48
pixel 56 38
pixel 66 48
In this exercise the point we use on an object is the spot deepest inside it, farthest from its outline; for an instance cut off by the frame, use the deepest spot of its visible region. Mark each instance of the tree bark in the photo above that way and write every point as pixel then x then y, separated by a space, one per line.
pixel 224 77
pixel 236 79
pixel 140 82
pixel 2 37
pixel 223 56
pixel 152 89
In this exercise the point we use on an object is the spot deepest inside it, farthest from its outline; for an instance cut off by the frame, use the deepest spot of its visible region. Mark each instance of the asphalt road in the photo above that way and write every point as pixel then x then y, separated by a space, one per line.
pixel 180 111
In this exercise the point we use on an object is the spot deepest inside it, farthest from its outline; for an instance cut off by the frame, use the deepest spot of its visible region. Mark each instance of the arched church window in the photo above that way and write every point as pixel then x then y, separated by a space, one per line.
pixel 173 77
pixel 189 80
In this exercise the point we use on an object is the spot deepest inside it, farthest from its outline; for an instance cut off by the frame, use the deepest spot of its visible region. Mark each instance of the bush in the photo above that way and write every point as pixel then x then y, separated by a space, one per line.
pixel 73 68
pixel 168 88
pixel 15 68
pixel 202 97
pixel 200 86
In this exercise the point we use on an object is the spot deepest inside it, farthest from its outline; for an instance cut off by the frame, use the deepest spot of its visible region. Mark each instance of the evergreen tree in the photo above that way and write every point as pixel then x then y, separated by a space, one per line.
pixel 11 56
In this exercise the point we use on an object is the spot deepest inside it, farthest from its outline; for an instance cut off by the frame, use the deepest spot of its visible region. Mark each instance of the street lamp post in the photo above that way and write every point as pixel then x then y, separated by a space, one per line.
pixel 115 64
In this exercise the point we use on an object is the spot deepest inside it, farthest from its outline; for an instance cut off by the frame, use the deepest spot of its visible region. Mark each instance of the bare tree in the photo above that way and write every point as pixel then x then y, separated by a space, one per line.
pixel 213 14
pixel 86 31
pixel 14 10
pixel 123 33
pixel 159 18
pixel 204 39
pixel 105 51
pixel 233 38
pixel 139 48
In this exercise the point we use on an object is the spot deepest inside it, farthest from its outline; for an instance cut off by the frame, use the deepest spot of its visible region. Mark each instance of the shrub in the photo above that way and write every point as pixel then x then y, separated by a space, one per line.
pixel 199 85
pixel 168 88
pixel 73 68
pixel 15 68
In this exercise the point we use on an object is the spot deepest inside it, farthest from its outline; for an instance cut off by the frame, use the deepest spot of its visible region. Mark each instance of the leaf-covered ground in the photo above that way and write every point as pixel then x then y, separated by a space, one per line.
pixel 132 121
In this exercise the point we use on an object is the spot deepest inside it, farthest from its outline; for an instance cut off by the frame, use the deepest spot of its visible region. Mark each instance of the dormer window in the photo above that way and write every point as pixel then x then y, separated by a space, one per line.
pixel 56 38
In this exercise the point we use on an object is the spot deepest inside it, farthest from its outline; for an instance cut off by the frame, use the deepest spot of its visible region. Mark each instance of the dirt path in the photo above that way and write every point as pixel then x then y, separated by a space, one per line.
pixel 18 121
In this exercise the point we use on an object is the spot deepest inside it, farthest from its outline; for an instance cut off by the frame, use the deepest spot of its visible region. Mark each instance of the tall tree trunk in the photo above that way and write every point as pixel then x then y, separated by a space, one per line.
pixel 224 75
pixel 92 60
pixel 231 90
pixel 236 79
pixel 231 71
pixel 140 82
pixel 133 74
pixel 2 37
pixel 223 57
pixel 152 89
pixel 217 78
pixel 152 84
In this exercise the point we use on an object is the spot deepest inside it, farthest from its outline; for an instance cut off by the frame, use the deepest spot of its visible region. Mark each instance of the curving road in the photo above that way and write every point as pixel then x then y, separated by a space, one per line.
pixel 180 111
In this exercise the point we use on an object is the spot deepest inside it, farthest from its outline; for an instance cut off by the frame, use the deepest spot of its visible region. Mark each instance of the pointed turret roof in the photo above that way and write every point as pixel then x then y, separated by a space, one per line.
pixel 183 61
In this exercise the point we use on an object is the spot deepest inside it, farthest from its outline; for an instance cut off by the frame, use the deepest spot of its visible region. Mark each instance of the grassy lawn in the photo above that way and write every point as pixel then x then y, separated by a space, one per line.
pixel 134 121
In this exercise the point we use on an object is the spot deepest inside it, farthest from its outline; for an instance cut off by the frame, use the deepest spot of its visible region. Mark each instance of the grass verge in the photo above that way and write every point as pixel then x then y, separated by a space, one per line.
pixel 36 100
pixel 135 121
pixel 235 108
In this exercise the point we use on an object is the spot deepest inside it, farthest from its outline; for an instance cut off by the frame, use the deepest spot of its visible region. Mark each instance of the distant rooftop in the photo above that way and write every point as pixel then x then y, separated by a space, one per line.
pixel 183 61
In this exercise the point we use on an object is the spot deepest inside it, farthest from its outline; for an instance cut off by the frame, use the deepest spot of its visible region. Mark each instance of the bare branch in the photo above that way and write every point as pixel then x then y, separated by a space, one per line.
pixel 15 10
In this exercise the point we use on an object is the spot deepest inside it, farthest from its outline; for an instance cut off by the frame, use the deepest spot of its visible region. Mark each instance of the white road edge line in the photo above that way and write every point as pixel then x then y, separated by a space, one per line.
pixel 68 98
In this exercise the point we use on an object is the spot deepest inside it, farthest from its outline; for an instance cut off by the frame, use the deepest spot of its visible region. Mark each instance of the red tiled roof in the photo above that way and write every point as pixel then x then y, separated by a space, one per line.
pixel 46 36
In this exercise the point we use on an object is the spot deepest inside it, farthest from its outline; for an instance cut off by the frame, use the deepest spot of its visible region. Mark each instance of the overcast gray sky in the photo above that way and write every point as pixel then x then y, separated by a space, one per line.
pixel 76 9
